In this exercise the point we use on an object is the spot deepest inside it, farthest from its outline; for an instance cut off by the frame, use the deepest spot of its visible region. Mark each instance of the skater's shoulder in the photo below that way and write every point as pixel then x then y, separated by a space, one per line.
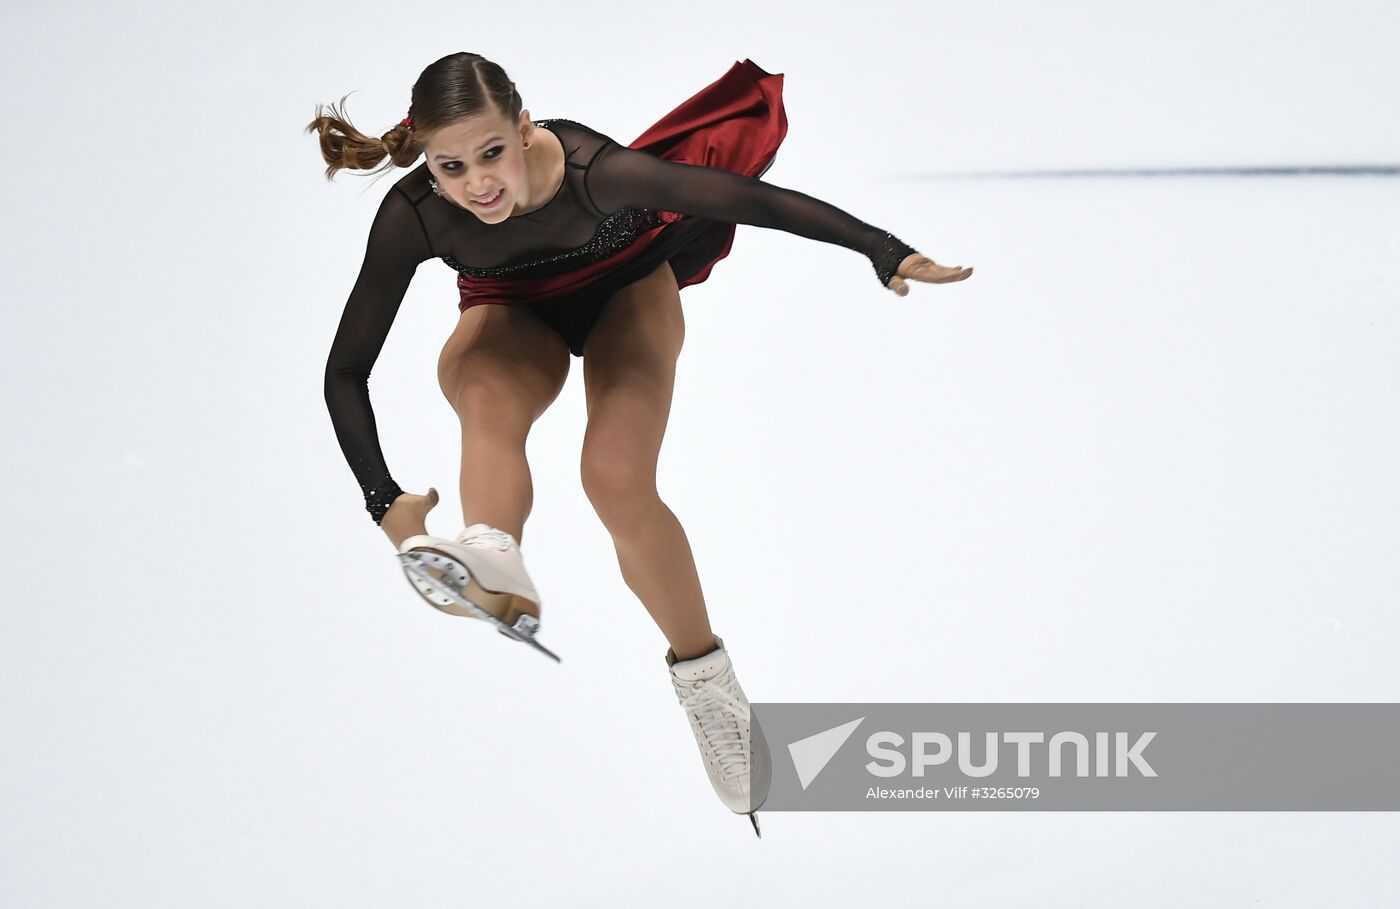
pixel 563 125
pixel 414 184
pixel 580 140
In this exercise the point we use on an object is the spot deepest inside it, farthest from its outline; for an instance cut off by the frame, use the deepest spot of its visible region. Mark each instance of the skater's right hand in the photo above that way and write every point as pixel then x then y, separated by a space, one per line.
pixel 407 515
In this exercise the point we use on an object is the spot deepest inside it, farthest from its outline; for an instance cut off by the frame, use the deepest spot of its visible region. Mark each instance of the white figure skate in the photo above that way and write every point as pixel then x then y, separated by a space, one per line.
pixel 476 575
pixel 730 739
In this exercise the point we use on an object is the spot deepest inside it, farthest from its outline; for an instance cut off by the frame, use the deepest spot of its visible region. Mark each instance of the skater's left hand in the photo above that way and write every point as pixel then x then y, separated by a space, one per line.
pixel 922 268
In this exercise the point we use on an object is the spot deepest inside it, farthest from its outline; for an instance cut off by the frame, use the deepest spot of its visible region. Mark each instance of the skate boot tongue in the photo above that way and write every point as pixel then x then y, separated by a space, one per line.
pixel 700 668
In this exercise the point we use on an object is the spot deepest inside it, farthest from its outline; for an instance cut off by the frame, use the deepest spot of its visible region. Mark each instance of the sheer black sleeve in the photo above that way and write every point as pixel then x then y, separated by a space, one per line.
pixel 623 177
pixel 397 243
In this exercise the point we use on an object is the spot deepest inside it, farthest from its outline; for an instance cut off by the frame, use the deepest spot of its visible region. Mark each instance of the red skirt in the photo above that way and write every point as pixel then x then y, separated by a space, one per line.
pixel 736 123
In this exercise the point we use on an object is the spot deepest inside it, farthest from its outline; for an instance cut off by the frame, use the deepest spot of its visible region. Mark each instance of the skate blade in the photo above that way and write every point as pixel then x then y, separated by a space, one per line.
pixel 457 604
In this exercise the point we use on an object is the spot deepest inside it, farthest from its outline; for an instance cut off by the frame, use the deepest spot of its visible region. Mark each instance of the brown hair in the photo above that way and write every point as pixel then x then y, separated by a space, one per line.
pixel 453 88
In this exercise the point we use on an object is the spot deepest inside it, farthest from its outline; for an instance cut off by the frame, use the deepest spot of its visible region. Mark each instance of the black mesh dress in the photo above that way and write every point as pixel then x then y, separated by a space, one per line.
pixel 610 195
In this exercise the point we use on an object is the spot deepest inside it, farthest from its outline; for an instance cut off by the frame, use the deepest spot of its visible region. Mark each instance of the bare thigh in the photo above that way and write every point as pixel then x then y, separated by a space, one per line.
pixel 629 371
pixel 502 363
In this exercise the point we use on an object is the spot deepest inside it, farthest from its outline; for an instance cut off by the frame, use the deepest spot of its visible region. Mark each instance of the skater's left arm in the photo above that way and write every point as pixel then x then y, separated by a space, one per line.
pixel 626 177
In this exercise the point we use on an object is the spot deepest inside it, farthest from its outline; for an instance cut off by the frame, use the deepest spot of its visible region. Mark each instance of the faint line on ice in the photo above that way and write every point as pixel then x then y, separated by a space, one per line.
pixel 1316 170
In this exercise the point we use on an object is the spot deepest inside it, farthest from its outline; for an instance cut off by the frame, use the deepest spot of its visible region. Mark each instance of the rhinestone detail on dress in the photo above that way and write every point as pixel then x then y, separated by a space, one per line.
pixel 615 232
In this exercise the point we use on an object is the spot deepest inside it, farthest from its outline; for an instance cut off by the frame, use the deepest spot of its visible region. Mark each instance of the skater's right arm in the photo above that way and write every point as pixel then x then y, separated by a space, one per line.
pixel 397 244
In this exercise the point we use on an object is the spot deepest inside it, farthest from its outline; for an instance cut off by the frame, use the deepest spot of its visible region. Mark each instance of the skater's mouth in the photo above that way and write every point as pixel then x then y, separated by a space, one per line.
pixel 493 201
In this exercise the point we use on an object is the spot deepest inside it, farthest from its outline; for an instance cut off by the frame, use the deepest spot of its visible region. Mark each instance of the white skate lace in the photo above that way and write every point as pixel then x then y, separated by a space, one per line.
pixel 502 539
pixel 718 710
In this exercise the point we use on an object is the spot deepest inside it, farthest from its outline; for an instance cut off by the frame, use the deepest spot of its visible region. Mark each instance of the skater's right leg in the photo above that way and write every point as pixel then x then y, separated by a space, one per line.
pixel 500 370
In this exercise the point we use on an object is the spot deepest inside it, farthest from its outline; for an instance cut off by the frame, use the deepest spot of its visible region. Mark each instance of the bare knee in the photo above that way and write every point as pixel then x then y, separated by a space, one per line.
pixel 620 486
pixel 502 364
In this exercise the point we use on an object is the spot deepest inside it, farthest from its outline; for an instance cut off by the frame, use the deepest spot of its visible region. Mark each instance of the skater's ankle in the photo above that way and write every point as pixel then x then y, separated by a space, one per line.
pixel 694 652
pixel 515 530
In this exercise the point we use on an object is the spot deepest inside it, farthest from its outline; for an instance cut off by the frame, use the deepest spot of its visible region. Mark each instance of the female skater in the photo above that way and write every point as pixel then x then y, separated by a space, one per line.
pixel 566 242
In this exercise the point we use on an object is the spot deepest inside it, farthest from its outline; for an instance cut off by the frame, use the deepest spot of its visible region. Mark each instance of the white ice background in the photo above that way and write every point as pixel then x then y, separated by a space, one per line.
pixel 1147 453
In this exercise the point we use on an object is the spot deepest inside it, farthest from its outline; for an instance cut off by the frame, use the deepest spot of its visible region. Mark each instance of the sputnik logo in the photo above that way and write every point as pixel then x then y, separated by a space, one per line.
pixel 811 755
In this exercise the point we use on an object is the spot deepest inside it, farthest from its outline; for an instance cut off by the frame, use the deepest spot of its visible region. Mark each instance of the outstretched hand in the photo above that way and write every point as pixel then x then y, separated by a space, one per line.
pixel 921 268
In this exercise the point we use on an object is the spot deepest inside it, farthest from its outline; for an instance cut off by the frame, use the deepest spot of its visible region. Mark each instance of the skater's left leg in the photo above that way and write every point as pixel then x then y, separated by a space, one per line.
pixel 629 369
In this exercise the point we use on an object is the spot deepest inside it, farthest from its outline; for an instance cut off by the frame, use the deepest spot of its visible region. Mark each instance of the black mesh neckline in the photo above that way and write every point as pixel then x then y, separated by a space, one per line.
pixel 540 124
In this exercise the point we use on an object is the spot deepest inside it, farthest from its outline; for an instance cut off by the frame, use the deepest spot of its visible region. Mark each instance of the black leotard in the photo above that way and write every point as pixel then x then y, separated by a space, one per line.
pixel 609 195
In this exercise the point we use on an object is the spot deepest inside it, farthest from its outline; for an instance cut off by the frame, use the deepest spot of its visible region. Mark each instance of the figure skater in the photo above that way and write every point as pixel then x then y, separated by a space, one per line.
pixel 566 242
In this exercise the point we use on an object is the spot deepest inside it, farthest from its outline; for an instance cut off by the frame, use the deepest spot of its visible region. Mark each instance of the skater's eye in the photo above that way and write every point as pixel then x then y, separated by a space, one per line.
pixel 454 166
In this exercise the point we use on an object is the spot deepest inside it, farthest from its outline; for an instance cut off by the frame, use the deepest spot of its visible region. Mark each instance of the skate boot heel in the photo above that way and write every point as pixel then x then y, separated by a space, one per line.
pixel 524 624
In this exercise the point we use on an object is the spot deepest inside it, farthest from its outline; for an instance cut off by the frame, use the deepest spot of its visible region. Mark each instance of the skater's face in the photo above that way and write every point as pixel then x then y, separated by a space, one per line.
pixel 477 158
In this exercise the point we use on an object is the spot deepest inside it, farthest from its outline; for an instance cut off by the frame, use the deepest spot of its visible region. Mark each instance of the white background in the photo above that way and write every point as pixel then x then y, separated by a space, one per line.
pixel 1144 454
